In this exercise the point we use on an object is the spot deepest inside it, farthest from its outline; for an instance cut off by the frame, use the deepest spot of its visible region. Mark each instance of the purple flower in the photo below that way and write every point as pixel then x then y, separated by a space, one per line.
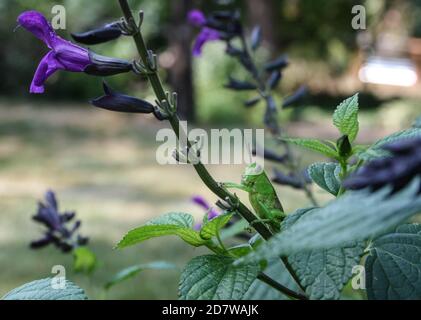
pixel 198 19
pixel 201 202
pixel 63 54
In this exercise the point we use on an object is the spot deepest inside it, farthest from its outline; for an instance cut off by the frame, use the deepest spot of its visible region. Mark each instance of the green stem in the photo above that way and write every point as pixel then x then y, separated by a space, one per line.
pixel 201 170
pixel 276 285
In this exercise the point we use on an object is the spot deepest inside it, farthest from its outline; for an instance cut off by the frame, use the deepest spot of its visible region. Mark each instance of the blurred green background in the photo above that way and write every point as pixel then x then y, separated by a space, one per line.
pixel 103 164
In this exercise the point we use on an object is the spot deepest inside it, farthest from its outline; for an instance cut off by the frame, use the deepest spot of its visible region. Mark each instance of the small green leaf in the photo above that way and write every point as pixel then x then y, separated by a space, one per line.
pixel 178 224
pixel 45 290
pixel 326 176
pixel 393 268
pixel 345 117
pixel 314 145
pixel 212 227
pixel 84 260
pixel 240 250
pixel 214 277
pixel 132 271
pixel 330 269
pixel 356 216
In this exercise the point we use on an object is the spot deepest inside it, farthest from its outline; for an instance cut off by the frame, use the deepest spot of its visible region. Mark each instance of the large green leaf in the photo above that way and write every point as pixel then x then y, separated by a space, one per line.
pixel 132 271
pixel 179 224
pixel 345 117
pixel 326 176
pixel 44 290
pixel 314 145
pixel 393 268
pixel 212 227
pixel 261 291
pixel 376 151
pixel 214 277
pixel 330 269
pixel 355 216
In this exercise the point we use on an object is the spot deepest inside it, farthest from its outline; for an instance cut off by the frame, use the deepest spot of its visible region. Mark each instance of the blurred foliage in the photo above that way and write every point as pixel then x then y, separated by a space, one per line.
pixel 309 30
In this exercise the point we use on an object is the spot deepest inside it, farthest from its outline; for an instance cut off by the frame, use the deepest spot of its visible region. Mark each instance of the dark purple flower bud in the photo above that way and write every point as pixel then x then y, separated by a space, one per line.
pixel 273 156
pixel 300 93
pixel 291 180
pixel 100 35
pixel 41 243
pixel 271 115
pixel 256 38
pixel 237 85
pixel 278 64
pixel 63 54
pixel 274 79
pixel 252 102
pixel 58 231
pixel 82 241
pixel 50 199
pixel 233 51
pixel 114 101
pixel 67 216
pixel 105 66
pixel 397 170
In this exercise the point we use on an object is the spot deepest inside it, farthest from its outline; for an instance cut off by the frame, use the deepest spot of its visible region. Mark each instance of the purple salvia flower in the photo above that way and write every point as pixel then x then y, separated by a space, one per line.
pixel 201 202
pixel 198 19
pixel 63 54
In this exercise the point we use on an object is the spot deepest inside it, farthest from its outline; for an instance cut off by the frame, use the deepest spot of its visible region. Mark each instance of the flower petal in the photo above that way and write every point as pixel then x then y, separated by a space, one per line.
pixel 73 57
pixel 196 18
pixel 37 24
pixel 204 36
pixel 48 65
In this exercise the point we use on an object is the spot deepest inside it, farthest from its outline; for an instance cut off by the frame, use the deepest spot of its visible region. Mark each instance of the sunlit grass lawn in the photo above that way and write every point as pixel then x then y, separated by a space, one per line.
pixel 103 166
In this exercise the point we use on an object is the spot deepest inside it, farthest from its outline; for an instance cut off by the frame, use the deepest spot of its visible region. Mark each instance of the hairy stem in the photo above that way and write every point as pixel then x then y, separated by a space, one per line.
pixel 201 170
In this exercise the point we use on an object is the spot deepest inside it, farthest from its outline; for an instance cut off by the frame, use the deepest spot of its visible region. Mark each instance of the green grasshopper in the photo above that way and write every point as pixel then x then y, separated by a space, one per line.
pixel 262 196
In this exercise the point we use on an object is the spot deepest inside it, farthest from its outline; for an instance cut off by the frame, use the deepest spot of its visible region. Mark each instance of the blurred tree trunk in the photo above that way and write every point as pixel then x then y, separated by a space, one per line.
pixel 180 71
pixel 263 13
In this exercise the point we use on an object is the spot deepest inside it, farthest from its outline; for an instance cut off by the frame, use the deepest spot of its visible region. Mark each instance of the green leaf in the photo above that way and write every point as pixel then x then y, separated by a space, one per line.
pixel 330 269
pixel 84 260
pixel 132 271
pixel 314 145
pixel 345 117
pixel 355 216
pixel 376 151
pixel 393 268
pixel 44 290
pixel 240 250
pixel 326 176
pixel 214 277
pixel 212 227
pixel 178 224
